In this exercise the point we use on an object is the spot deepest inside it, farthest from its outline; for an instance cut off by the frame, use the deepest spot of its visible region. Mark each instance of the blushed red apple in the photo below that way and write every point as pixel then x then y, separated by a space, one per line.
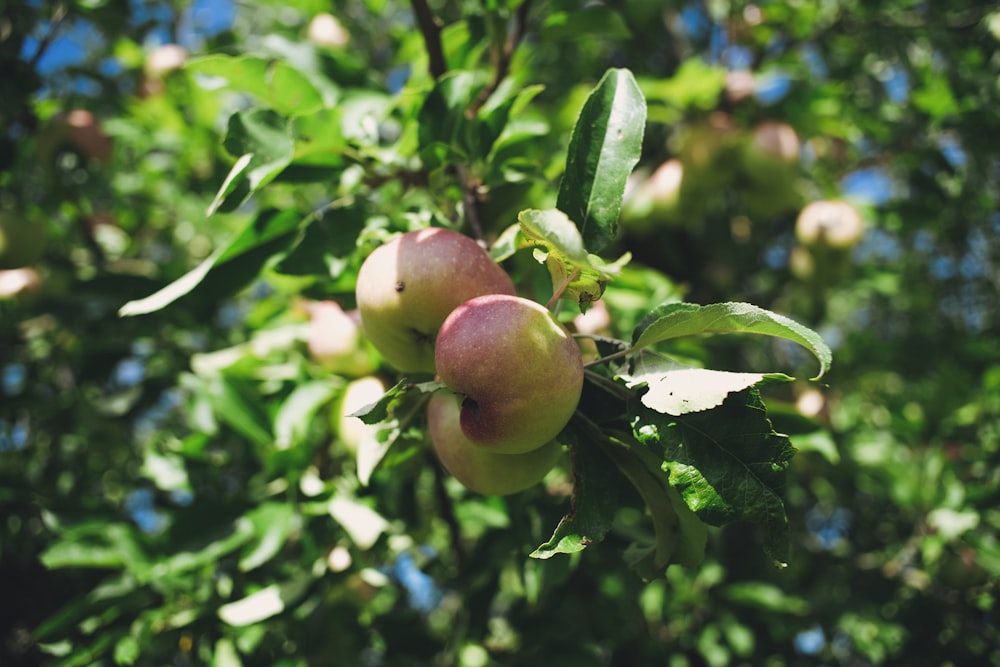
pixel 407 287
pixel 518 370
pixel 477 469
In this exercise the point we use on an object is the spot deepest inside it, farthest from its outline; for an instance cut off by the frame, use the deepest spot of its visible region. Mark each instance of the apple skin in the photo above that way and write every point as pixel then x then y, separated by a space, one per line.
pixel 407 287
pixel 477 469
pixel 769 163
pixel 79 130
pixel 518 369
pixel 327 31
pixel 829 223
pixel 335 340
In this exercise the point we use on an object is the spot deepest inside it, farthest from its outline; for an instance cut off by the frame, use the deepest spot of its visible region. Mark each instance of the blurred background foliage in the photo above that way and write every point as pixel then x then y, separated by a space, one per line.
pixel 179 488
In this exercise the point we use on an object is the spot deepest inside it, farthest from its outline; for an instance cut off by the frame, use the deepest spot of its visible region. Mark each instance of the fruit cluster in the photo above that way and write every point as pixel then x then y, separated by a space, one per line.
pixel 433 301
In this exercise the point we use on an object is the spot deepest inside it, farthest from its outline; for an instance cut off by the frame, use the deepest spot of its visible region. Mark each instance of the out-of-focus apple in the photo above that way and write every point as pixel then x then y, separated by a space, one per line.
pixel 327 31
pixel 335 340
pixel 164 59
pixel 654 200
pixel 483 471
pixel 769 162
pixel 829 223
pixel 407 287
pixel 519 371
pixel 18 282
pixel 79 130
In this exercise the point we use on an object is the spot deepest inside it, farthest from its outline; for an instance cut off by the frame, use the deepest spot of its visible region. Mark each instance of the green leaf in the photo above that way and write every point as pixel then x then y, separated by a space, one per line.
pixel 293 420
pixel 696 84
pixel 262 142
pixel 231 266
pixel 674 320
pixel 98 544
pixel 318 138
pixel 264 603
pixel 677 389
pixel 363 524
pixel 579 275
pixel 273 82
pixel 273 523
pixel 766 597
pixel 605 145
pixel 728 463
pixel 597 497
pixel 206 552
pixel 445 130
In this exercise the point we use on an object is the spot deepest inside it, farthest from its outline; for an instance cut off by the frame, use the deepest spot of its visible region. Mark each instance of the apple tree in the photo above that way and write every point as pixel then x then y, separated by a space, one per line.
pixel 502 333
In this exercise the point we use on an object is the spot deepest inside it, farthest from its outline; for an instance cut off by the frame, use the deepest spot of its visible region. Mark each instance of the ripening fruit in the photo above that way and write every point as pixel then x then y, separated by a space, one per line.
pixel 655 200
pixel 22 242
pixel 335 340
pixel 325 30
pixel 407 287
pixel 518 370
pixel 829 223
pixel 483 471
pixel 79 130
pixel 165 59
pixel 769 163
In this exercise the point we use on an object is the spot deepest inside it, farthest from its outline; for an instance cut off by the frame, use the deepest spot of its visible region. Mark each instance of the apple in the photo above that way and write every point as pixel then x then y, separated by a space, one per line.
pixel 740 84
pixel 18 282
pixel 479 470
pixel 325 30
pixel 709 151
pixel 164 59
pixel 654 199
pixel 769 164
pixel 79 130
pixel 353 432
pixel 22 242
pixel 519 371
pixel 335 340
pixel 829 223
pixel 408 286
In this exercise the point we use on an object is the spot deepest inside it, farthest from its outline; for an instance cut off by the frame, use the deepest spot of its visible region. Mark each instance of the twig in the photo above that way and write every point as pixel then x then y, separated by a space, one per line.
pixel 430 28
pixel 470 201
pixel 57 18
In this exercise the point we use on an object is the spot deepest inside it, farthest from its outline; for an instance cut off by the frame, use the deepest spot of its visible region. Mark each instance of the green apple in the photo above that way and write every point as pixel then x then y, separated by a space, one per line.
pixel 407 287
pixel 477 469
pixel 519 371
pixel 709 151
pixel 655 199
pixel 336 342
pixel 22 242
pixel 829 223
pixel 769 163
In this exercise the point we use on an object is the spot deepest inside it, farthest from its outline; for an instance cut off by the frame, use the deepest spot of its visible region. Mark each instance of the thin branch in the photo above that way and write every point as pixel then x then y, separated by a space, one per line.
pixel 470 202
pixel 430 28
pixel 57 18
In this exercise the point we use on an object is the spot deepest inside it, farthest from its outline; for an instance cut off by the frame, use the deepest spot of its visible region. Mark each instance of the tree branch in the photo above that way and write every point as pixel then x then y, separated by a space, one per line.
pixel 430 28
